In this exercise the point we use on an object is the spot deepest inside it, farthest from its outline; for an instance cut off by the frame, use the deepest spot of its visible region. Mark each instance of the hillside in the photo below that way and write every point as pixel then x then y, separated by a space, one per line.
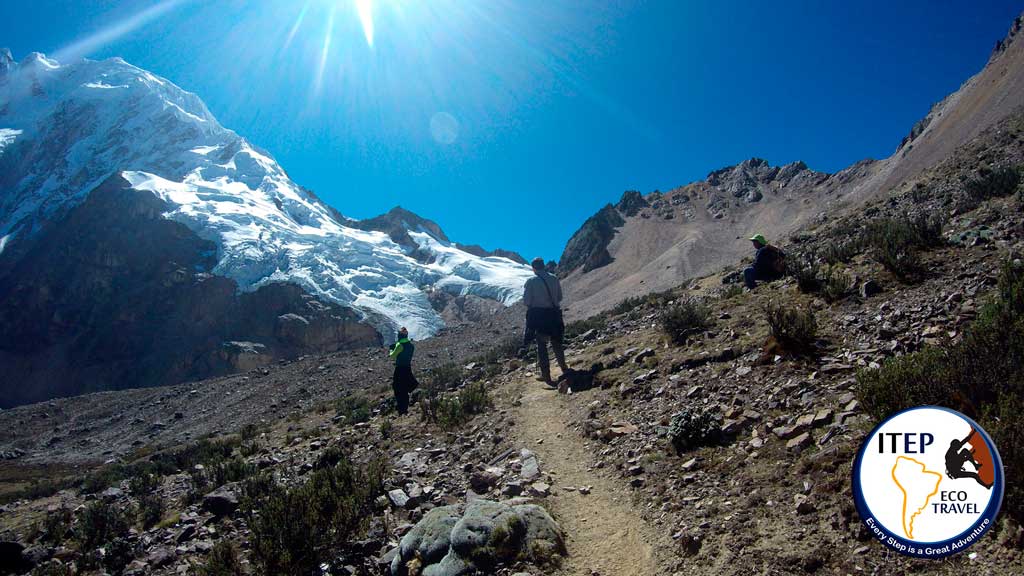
pixel 660 239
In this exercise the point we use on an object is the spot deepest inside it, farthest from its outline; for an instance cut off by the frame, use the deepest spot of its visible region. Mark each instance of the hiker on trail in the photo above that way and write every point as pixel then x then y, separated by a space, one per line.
pixel 404 381
pixel 769 263
pixel 543 298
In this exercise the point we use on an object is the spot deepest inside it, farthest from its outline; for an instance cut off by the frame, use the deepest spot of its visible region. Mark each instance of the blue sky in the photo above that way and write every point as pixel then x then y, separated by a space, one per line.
pixel 509 123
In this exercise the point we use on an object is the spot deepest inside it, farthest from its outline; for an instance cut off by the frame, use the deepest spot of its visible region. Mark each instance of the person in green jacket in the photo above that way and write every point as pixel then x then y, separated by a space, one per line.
pixel 403 381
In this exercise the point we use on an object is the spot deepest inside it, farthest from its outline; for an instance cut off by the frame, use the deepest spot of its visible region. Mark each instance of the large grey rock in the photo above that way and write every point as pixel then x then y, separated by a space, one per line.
pixel 222 501
pixel 463 539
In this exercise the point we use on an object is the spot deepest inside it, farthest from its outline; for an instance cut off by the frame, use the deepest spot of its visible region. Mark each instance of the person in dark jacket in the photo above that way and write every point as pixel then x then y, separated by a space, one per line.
pixel 542 295
pixel 769 263
pixel 404 381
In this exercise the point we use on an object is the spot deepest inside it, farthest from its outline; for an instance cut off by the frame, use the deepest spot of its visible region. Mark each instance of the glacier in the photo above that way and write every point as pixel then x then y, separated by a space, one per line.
pixel 66 128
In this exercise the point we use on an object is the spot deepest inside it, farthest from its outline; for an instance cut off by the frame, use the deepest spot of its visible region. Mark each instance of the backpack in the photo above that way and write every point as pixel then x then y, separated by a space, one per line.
pixel 779 264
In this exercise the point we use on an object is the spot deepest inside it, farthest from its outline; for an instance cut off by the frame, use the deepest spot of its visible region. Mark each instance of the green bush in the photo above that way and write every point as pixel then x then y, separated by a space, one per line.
pixel 54 568
pixel 143 483
pixel 803 267
pixel 895 242
pixel 355 408
pixel 447 376
pixel 293 530
pixel 993 183
pixel 234 470
pixel 627 305
pixel 981 375
pixel 796 330
pixel 841 250
pixel 151 510
pixel 454 410
pixel 99 524
pixel 837 283
pixel 693 428
pixel 575 329
pixel 686 318
pixel 55 527
pixel 249 432
pixel 223 560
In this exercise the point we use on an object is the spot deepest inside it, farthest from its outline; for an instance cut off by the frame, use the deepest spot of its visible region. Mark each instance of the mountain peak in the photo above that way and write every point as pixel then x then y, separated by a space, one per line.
pixel 38 59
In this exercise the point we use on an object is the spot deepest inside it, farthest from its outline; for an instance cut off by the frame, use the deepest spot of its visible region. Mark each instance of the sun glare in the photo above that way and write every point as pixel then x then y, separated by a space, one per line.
pixel 365 10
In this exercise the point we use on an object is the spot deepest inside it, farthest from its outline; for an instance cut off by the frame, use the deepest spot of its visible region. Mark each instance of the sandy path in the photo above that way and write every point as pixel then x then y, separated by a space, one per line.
pixel 604 534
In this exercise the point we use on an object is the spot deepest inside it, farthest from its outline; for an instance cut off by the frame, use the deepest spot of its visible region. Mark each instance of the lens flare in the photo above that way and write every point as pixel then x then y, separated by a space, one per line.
pixel 325 51
pixel 365 10
pixel 296 26
pixel 97 40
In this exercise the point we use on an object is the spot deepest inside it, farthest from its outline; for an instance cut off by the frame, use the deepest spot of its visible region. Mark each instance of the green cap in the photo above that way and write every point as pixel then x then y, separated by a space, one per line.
pixel 759 238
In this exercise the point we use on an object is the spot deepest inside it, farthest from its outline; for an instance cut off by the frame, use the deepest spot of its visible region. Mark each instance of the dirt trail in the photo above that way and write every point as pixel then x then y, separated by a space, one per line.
pixel 604 533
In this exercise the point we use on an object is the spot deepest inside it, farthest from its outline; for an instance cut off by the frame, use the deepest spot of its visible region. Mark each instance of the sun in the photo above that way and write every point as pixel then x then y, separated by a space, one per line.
pixel 364 8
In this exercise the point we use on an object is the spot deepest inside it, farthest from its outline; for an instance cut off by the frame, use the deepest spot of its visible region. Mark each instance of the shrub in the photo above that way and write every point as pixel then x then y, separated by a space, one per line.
pixel 118 553
pixel 99 524
pixel 233 470
pixel 794 329
pixel 249 432
pixel 143 483
pixel 627 305
pixel 447 376
pixel 296 528
pixel 54 568
pixel 836 284
pixel 894 242
pixel 575 329
pixel 981 375
pixel 730 291
pixel 803 267
pixel 151 510
pixel 991 183
pixel 223 560
pixel 841 250
pixel 685 318
pixel 455 410
pixel 355 408
pixel 54 528
pixel 693 428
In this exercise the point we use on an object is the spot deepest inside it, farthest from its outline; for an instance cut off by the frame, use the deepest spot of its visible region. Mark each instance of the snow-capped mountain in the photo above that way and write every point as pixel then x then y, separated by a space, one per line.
pixel 67 128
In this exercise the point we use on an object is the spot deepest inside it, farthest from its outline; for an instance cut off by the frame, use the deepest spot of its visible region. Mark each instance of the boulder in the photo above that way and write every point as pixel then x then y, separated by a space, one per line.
pixel 477 537
pixel 222 501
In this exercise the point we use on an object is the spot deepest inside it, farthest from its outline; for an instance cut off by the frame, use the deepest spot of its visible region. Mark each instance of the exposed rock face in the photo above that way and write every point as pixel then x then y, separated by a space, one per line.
pixel 116 296
pixel 452 541
pixel 631 203
pixel 751 179
pixel 588 247
pixel 396 223
pixel 482 252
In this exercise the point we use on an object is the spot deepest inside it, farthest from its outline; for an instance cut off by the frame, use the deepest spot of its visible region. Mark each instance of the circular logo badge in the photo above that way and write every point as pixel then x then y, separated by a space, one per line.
pixel 928 482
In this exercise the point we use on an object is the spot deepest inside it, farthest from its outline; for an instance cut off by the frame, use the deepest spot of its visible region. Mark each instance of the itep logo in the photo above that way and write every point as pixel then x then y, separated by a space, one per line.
pixel 928 482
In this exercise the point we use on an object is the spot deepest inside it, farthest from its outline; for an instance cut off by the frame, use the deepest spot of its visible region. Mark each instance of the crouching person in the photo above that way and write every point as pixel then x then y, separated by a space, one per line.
pixel 769 263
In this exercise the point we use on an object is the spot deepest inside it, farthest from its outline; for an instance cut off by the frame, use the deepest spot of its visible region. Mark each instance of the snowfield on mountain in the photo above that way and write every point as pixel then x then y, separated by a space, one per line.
pixel 66 128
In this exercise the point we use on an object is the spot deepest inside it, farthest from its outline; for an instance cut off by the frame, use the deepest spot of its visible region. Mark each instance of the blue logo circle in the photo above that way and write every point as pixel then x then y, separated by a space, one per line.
pixel 928 482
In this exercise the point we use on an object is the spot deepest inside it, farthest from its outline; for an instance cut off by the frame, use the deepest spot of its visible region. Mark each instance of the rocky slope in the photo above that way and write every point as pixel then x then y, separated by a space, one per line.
pixel 647 243
pixel 652 242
